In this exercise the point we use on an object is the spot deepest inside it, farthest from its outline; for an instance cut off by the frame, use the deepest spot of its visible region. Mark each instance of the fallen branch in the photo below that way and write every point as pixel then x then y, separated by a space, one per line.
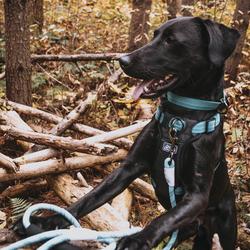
pixel 12 118
pixel 21 188
pixel 110 82
pixel 103 218
pixel 7 163
pixel 77 57
pixel 66 143
pixel 2 75
pixel 112 135
pixel 41 155
pixel 73 58
pixel 123 203
pixel 23 109
pixel 69 119
pixel 144 188
pixel 37 169
pixel 104 137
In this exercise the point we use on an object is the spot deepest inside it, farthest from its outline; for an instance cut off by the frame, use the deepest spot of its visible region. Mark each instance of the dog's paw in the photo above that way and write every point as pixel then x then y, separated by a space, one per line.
pixel 133 242
pixel 45 223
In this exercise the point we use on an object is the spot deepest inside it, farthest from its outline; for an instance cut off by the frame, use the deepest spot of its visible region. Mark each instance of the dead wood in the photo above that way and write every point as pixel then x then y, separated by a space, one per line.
pixel 12 118
pixel 103 218
pixel 123 142
pixel 105 136
pixel 41 155
pixel 37 169
pixel 7 163
pixel 74 58
pixel 112 135
pixel 82 180
pixel 144 188
pixel 21 188
pixel 123 203
pixel 69 119
pixel 2 75
pixel 66 143
pixel 72 117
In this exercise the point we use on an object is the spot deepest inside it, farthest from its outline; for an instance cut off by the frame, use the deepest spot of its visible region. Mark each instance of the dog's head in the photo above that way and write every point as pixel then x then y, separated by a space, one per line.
pixel 181 50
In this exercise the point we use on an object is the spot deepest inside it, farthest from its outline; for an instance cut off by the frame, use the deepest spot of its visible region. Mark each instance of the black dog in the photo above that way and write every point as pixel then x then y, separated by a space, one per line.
pixel 184 59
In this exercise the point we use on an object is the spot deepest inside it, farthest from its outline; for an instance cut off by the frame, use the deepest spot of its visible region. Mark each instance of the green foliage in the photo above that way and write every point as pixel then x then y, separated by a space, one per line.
pixel 38 80
pixel 18 207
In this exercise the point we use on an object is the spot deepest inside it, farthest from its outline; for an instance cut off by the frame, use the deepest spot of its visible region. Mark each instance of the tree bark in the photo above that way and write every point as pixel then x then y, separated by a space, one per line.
pixel 18 65
pixel 188 2
pixel 37 16
pixel 139 25
pixel 241 23
pixel 174 8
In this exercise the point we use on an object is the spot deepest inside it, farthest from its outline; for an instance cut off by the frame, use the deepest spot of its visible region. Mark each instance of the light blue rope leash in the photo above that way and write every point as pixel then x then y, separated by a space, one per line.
pixel 56 237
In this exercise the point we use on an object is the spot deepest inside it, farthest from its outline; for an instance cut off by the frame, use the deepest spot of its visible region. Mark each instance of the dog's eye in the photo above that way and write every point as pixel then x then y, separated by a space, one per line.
pixel 169 39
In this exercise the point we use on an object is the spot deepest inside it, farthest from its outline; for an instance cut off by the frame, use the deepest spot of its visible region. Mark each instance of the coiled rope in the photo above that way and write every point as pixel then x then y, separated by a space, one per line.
pixel 55 237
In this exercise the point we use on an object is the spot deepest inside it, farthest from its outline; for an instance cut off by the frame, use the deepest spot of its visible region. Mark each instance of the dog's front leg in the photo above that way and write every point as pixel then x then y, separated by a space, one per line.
pixel 192 205
pixel 183 214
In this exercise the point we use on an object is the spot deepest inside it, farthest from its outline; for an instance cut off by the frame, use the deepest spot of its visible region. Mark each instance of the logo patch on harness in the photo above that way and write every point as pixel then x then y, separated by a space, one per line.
pixel 167 147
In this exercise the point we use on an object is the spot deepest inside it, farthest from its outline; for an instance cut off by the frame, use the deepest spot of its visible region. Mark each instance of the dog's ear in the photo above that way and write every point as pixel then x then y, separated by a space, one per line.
pixel 221 41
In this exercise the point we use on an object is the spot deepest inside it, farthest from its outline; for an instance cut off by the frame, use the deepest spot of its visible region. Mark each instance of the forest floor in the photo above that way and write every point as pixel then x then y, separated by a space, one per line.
pixel 102 26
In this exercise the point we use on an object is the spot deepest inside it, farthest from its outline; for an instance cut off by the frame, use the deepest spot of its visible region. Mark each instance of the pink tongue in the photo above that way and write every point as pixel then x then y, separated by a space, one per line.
pixel 139 90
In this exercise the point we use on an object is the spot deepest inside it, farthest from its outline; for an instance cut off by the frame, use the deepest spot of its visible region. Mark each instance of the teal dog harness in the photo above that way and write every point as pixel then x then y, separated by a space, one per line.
pixel 174 126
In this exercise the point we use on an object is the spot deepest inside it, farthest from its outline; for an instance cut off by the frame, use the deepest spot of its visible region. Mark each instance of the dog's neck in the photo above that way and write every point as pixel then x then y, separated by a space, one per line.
pixel 208 86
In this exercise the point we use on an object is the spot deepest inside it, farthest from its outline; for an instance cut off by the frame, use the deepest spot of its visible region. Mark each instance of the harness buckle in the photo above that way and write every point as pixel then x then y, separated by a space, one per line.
pixel 209 123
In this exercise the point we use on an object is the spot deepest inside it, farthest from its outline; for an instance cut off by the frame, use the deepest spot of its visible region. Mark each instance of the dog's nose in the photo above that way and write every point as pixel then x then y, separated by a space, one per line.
pixel 124 61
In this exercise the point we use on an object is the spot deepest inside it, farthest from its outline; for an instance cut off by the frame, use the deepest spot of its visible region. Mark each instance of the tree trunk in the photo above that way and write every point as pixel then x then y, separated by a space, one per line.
pixel 37 16
pixel 18 66
pixel 188 2
pixel 139 25
pixel 174 8
pixel 241 23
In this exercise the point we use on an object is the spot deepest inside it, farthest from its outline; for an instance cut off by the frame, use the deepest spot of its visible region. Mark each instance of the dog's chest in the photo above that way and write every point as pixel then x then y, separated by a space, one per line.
pixel 163 176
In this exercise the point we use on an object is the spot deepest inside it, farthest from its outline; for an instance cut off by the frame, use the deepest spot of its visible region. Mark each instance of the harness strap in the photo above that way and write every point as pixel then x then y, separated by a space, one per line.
pixel 206 126
pixel 200 127
pixel 169 172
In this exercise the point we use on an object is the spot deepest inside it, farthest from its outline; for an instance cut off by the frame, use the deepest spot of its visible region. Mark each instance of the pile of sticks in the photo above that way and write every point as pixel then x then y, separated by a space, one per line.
pixel 45 160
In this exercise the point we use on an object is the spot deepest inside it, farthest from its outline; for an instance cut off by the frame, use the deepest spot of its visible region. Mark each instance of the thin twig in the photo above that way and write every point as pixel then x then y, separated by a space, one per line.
pixel 53 78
